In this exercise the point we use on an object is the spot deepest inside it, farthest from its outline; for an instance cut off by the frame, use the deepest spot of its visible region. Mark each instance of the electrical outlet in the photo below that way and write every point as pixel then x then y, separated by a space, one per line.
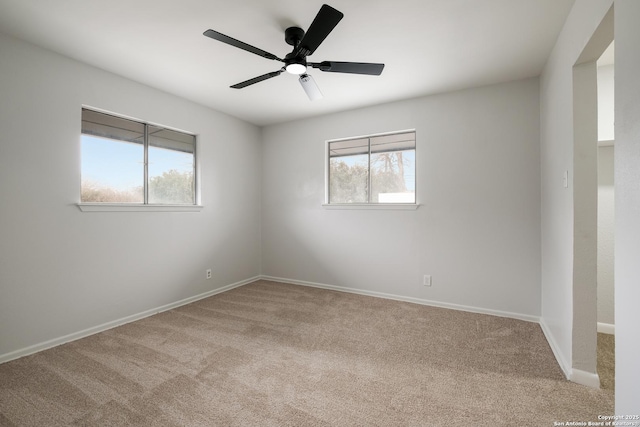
pixel 426 280
pixel 209 274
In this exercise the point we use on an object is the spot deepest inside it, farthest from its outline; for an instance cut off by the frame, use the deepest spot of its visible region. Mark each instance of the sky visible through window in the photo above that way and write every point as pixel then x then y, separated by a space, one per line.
pixel 119 164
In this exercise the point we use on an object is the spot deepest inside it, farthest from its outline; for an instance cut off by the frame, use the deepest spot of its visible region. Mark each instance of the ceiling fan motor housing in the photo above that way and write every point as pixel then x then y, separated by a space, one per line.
pixel 296 61
pixel 293 35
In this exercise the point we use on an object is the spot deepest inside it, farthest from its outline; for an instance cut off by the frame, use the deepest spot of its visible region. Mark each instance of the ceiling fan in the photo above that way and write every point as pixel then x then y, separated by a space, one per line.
pixel 304 44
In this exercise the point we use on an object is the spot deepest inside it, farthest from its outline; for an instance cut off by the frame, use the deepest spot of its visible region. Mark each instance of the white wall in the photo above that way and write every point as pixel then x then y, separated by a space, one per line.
pixel 606 221
pixel 627 228
pixel 605 103
pixel 556 118
pixel 557 155
pixel 62 270
pixel 477 231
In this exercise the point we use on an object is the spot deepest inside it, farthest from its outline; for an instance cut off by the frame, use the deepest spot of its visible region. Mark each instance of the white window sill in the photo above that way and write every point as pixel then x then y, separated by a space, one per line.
pixel 373 206
pixel 125 207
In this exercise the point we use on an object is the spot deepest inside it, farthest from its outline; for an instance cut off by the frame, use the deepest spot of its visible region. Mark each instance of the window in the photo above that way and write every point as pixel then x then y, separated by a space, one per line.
pixel 125 161
pixel 378 169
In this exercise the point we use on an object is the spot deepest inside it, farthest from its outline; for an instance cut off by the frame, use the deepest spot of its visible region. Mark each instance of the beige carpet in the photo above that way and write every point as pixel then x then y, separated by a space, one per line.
pixel 607 361
pixel 270 354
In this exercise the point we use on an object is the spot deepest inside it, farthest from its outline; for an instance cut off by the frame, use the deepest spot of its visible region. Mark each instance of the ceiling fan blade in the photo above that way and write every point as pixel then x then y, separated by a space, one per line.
pixel 310 87
pixel 257 79
pixel 349 67
pixel 324 22
pixel 242 45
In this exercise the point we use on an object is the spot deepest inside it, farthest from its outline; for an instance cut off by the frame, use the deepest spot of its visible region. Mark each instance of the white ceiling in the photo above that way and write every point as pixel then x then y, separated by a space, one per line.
pixel 428 46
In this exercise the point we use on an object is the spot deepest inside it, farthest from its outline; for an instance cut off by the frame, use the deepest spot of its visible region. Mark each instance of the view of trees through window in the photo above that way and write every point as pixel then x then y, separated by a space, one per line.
pixel 113 162
pixel 377 169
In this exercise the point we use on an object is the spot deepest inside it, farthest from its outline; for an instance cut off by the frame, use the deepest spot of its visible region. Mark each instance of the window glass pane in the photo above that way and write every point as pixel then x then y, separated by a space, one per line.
pixel 348 179
pixel 393 168
pixel 171 166
pixel 111 170
pixel 112 167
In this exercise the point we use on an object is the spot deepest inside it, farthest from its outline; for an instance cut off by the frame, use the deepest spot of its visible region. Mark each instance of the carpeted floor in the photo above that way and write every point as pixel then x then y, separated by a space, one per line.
pixel 607 361
pixel 271 354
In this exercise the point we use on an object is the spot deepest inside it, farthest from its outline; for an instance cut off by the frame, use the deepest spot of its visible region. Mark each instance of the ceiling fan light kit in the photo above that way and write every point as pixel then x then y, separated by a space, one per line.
pixel 304 44
pixel 310 87
pixel 295 66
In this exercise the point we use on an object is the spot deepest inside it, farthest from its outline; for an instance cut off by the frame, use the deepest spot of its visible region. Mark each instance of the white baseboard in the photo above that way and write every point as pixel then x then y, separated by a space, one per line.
pixel 109 325
pixel 607 328
pixel 585 378
pixel 555 349
pixel 574 375
pixel 525 317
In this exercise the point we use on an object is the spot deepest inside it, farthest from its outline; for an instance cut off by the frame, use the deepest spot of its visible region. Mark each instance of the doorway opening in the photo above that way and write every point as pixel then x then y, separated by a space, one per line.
pixel 606 221
pixel 585 204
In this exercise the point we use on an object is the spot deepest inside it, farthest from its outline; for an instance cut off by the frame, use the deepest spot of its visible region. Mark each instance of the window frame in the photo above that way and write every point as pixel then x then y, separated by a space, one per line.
pixel 145 206
pixel 369 204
